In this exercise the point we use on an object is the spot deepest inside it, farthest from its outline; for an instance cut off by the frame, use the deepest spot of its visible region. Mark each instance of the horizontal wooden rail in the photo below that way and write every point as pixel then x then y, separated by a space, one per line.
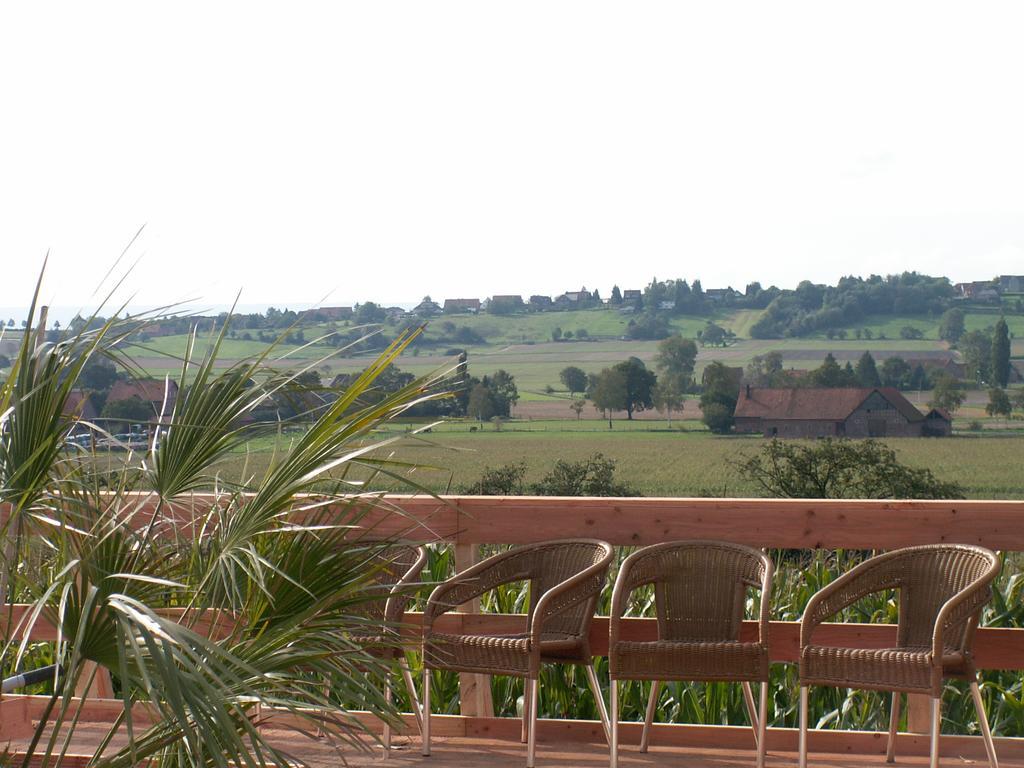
pixel 993 648
pixel 771 523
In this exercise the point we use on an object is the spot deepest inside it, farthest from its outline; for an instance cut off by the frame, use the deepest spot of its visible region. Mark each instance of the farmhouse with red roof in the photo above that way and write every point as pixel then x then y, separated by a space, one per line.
pixel 840 412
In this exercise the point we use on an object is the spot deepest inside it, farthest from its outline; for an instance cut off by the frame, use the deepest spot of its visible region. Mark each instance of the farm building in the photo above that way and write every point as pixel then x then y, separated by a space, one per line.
pixel 841 412
pixel 1011 283
pixel 79 407
pixel 461 305
pixel 326 313
pixel 151 391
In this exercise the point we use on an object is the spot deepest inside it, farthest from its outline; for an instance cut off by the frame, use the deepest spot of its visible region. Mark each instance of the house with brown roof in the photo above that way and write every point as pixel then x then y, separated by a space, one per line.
pixel 804 412
pixel 326 313
pixel 151 391
pixel 79 406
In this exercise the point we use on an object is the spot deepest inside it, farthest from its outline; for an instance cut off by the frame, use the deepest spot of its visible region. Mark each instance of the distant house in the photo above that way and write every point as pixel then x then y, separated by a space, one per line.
pixel 395 313
pixel 150 391
pixel 841 412
pixel 1011 283
pixel 79 407
pixel 632 294
pixel 540 302
pixel 461 305
pixel 667 305
pixel 721 294
pixel 426 308
pixel 978 290
pixel 577 296
pixel 937 423
pixel 327 313
pixel 505 303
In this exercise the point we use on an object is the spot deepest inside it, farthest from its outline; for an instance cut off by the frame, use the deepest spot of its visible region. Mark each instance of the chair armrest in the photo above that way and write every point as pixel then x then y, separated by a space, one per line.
pixel 399 596
pixel 471 583
pixel 960 609
pixel 582 586
pixel 874 575
pixel 764 615
pixel 624 587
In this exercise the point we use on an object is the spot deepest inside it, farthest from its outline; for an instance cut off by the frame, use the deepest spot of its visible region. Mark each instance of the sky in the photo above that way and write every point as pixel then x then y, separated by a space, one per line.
pixel 327 153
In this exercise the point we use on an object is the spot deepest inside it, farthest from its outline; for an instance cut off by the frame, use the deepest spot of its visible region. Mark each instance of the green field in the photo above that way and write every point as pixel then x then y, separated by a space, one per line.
pixel 673 463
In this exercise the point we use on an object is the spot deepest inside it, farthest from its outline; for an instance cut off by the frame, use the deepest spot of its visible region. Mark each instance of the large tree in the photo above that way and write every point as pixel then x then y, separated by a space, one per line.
pixel 976 347
pixel 765 370
pixel 574 379
pixel 676 357
pixel 896 372
pixel 640 384
pixel 998 403
pixel 831 374
pixel 947 394
pixel 608 390
pixel 670 394
pixel 867 372
pixel 481 403
pixel 1001 354
pixel 951 327
pixel 502 385
pixel 718 400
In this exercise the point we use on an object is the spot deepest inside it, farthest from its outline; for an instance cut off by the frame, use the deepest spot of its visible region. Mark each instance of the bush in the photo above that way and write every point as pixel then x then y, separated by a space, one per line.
pixel 594 476
pixel 841 469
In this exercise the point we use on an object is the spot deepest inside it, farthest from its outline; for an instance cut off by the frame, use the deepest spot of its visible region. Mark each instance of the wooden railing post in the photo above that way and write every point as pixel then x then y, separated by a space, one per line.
pixel 919 713
pixel 474 690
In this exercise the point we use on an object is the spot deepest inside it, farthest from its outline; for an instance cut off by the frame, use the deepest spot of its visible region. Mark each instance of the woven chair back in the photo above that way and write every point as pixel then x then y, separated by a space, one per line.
pixel 927 577
pixel 700 587
pixel 555 562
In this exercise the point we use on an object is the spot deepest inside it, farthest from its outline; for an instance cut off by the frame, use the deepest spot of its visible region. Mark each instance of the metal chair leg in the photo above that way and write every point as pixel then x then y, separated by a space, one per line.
pixel 595 688
pixel 531 739
pixel 426 712
pixel 762 726
pixel 802 763
pixel 748 700
pixel 936 728
pixel 894 724
pixel 613 711
pixel 524 735
pixel 986 733
pixel 414 700
pixel 652 704
pixel 386 739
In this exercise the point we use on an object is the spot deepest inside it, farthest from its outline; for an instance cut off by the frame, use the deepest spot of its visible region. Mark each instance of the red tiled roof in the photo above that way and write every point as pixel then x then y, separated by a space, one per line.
pixel 79 406
pixel 818 404
pixel 150 390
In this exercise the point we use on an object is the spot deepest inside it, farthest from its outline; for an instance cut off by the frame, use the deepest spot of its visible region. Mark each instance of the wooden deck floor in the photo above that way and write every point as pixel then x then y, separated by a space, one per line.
pixel 477 752
pixel 466 752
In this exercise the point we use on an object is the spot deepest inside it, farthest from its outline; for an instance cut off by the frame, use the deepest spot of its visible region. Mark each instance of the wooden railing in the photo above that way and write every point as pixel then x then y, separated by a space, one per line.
pixel 467 522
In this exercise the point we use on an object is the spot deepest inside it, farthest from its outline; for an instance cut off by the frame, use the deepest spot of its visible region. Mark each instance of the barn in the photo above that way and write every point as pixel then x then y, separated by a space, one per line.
pixel 804 412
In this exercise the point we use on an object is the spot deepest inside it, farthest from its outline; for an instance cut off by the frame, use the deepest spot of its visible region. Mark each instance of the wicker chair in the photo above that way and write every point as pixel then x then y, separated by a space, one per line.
pixel 565 578
pixel 395 569
pixel 700 591
pixel 942 589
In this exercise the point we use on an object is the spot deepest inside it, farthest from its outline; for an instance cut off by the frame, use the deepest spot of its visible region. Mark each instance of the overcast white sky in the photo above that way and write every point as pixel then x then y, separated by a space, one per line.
pixel 384 150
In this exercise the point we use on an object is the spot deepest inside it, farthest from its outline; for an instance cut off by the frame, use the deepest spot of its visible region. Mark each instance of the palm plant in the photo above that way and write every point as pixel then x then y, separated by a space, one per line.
pixel 204 607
